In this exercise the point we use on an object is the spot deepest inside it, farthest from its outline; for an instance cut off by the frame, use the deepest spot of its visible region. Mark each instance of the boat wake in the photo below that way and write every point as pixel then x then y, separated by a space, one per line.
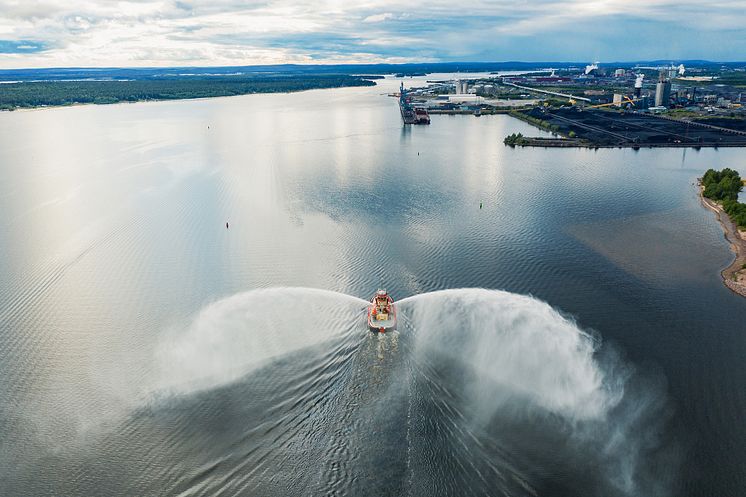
pixel 285 392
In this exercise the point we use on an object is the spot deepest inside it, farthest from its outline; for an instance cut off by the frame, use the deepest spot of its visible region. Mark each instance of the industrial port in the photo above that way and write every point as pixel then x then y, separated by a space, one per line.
pixel 411 113
pixel 602 106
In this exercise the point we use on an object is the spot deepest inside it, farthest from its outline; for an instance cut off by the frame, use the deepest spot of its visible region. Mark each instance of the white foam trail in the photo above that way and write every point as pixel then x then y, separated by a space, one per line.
pixel 229 338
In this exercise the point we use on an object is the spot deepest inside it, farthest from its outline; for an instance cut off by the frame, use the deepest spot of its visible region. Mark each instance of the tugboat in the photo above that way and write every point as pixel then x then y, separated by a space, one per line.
pixel 382 312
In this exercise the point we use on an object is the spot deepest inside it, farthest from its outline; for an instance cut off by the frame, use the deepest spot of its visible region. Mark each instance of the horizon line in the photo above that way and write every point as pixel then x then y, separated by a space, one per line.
pixel 378 64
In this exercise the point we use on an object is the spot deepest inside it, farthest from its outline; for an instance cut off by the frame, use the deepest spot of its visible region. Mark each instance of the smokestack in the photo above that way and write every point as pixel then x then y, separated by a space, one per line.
pixel 638 85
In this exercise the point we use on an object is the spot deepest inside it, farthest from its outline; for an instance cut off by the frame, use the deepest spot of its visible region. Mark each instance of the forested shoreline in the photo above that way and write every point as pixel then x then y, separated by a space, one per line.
pixel 59 93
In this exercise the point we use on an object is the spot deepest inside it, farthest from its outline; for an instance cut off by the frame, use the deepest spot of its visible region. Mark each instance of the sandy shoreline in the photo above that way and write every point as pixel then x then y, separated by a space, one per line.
pixel 734 276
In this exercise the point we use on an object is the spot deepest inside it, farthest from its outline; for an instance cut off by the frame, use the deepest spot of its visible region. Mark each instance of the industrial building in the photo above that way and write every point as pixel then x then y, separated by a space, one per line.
pixel 663 91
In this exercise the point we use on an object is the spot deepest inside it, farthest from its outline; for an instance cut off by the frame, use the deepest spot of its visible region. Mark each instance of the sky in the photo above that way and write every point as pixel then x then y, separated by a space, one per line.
pixel 108 33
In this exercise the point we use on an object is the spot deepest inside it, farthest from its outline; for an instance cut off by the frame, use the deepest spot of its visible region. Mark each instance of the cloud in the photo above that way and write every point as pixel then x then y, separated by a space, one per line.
pixel 219 32
pixel 379 17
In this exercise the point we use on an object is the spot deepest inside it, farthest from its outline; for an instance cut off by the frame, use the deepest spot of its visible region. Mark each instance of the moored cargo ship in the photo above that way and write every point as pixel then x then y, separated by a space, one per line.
pixel 409 113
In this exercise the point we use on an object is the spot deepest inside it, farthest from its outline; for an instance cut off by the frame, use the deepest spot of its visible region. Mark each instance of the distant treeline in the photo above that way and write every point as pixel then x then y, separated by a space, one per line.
pixel 725 186
pixel 68 73
pixel 734 79
pixel 54 93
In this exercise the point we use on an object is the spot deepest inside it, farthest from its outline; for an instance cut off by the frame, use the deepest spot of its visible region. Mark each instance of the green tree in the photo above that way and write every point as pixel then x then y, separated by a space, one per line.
pixel 722 185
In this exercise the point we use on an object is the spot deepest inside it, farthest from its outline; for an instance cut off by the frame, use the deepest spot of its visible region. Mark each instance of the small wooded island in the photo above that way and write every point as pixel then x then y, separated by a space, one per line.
pixel 719 192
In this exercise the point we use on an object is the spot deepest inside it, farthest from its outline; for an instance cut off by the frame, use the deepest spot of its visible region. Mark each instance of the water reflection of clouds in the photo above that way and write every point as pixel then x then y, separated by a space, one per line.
pixel 385 205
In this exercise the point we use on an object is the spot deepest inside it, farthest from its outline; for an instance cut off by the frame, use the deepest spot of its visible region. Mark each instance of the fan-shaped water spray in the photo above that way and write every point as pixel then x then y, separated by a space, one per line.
pixel 481 392
pixel 285 392
pixel 536 400
pixel 229 338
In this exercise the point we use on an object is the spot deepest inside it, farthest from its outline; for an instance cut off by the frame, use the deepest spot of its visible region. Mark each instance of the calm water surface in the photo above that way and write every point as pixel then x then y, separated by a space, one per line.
pixel 145 349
